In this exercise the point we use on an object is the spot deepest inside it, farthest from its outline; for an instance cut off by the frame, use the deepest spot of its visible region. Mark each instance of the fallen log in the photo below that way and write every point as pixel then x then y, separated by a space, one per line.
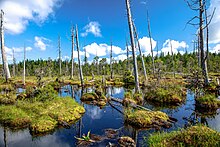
pixel 135 106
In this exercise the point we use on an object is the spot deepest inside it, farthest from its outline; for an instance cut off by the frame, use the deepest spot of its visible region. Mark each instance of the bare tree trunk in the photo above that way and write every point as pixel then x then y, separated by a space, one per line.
pixel 127 55
pixel 137 88
pixel 139 48
pixel 171 47
pixel 207 41
pixel 24 65
pixel 111 62
pixel 203 60
pixel 151 46
pixel 72 56
pixel 60 60
pixel 4 58
pixel 14 62
pixel 80 68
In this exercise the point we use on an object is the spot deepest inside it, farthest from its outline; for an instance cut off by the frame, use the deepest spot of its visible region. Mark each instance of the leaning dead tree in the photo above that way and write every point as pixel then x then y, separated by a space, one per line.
pixel 59 50
pixel 4 57
pixel 80 67
pixel 140 51
pixel 199 5
pixel 151 46
pixel 131 29
pixel 72 55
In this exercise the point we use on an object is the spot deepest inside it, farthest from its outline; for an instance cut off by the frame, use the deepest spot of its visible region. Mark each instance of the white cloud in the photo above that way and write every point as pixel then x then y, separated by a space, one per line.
pixel 214 29
pixel 102 49
pixel 94 28
pixel 121 57
pixel 145 44
pixel 176 46
pixel 18 52
pixel 216 49
pixel 18 13
pixel 40 43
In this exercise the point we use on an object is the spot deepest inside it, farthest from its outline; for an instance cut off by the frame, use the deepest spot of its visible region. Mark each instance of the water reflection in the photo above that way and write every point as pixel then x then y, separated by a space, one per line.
pixel 97 120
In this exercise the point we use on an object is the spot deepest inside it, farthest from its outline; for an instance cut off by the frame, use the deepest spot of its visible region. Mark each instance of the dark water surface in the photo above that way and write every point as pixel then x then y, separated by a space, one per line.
pixel 97 120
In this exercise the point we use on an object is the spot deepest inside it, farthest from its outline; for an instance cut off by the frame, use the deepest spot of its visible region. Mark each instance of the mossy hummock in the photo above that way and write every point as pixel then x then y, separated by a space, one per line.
pixel 208 102
pixel 147 119
pixel 193 136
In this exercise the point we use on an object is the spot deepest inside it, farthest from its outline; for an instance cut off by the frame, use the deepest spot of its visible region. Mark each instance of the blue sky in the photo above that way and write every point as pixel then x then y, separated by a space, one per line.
pixel 37 23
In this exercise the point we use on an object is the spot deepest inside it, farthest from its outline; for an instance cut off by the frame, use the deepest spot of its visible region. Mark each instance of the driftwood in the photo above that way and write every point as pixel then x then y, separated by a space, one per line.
pixel 135 106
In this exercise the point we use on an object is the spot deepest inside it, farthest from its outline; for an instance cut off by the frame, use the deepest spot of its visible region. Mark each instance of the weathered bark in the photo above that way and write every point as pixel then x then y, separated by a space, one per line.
pixel 127 55
pixel 171 47
pixel 4 57
pixel 201 40
pixel 139 48
pixel 14 63
pixel 80 67
pixel 111 62
pixel 24 65
pixel 137 88
pixel 151 46
pixel 59 49
pixel 72 55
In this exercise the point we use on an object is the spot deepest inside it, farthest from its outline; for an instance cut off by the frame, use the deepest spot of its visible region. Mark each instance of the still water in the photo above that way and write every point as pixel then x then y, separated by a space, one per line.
pixel 97 120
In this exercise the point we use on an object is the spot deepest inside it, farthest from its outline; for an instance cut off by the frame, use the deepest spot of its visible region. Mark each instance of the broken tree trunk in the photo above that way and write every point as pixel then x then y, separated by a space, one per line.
pixel 111 62
pixel 4 57
pixel 137 88
pixel 80 67
pixel 59 49
pixel 139 48
pixel 151 46
pixel 171 47
pixel 72 55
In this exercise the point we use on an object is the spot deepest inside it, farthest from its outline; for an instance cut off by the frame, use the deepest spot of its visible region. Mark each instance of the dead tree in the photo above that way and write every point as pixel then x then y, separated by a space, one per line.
pixel 171 47
pixel 72 55
pixel 111 62
pixel 137 88
pixel 80 67
pixel 151 46
pixel 24 65
pixel 14 63
pixel 199 5
pixel 127 55
pixel 4 57
pixel 59 50
pixel 140 51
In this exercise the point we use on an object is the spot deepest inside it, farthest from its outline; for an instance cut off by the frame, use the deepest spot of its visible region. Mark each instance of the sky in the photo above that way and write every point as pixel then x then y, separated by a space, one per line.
pixel 36 24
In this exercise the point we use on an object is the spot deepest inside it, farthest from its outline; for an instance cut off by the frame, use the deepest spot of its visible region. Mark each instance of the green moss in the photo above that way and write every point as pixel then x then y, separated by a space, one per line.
pixel 9 98
pixel 145 119
pixel 166 92
pixel 89 96
pixel 14 117
pixel 129 98
pixel 128 78
pixel 43 116
pixel 208 101
pixel 193 136
pixel 43 124
pixel 6 87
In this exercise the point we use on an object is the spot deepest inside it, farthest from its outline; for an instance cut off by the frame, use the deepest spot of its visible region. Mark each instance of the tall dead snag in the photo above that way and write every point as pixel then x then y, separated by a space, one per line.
pixel 140 51
pixel 24 65
pixel 59 50
pixel 137 88
pixel 151 46
pixel 14 62
pixel 127 55
pixel 72 55
pixel 80 67
pixel 171 47
pixel 111 62
pixel 199 5
pixel 4 57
